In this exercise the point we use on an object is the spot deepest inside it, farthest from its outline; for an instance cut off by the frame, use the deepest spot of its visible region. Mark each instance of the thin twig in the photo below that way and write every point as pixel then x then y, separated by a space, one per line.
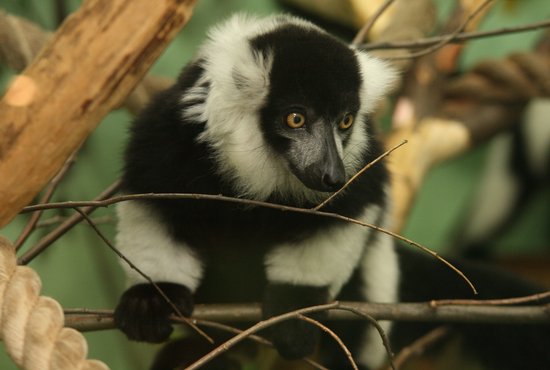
pixel 335 336
pixel 419 346
pixel 354 177
pixel 256 338
pixel 221 198
pixel 364 31
pixel 495 302
pixel 56 220
pixel 446 39
pixel 134 267
pixel 50 190
pixel 254 329
pixel 374 322
pixel 456 39
pixel 51 237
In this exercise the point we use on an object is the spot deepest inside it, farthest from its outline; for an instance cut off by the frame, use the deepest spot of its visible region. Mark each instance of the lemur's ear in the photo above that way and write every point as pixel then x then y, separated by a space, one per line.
pixel 251 76
pixel 240 72
pixel 378 79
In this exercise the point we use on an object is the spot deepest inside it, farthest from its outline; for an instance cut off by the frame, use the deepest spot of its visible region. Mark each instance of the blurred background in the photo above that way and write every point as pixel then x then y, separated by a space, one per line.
pixel 81 272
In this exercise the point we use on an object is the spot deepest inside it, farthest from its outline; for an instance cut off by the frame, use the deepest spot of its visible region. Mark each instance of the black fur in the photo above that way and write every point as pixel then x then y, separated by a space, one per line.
pixel 319 76
pixel 423 278
pixel 498 347
pixel 165 155
pixel 294 338
pixel 142 312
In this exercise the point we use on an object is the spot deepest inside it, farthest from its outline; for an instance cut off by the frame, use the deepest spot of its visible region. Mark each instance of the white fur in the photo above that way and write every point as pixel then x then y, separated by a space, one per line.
pixel 231 109
pixel 325 259
pixel 537 134
pixel 378 79
pixel 144 240
pixel 380 274
pixel 497 193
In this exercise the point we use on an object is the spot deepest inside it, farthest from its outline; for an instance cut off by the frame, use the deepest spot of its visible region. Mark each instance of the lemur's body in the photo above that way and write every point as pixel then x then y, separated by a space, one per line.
pixel 515 175
pixel 271 109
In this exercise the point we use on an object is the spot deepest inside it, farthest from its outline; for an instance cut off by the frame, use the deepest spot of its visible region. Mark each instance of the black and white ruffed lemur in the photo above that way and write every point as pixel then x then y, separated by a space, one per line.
pixel 275 109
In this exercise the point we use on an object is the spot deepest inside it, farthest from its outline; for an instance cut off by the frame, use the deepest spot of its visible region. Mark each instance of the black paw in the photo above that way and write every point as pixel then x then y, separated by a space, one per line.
pixel 294 338
pixel 142 312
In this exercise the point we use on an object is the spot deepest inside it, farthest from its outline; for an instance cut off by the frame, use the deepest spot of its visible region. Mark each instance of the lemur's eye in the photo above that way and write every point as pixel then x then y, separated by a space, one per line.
pixel 346 122
pixel 295 120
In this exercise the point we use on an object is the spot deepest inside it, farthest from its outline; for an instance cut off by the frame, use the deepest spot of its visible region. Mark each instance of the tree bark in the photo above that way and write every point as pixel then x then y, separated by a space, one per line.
pixel 92 63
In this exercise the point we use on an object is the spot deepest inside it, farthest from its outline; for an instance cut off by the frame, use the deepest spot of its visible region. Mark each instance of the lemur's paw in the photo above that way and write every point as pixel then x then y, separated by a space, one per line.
pixel 143 313
pixel 294 338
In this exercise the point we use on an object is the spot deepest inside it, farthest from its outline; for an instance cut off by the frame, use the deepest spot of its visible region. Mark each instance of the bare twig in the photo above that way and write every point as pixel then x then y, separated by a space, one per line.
pixel 256 338
pixel 122 198
pixel 364 31
pixel 50 189
pixel 373 322
pixel 47 240
pixel 134 267
pixel 255 328
pixel 507 301
pixel 334 336
pixel 456 39
pixel 354 177
pixel 56 220
pixel 444 41
pixel 420 345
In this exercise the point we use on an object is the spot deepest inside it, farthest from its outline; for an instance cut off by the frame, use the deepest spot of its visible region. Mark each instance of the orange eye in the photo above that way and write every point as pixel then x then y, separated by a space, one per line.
pixel 346 122
pixel 295 120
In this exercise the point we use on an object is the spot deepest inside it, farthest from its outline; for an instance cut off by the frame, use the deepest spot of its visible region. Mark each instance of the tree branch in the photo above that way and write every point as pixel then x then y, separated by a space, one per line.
pixel 449 37
pixel 68 224
pixel 456 39
pixel 90 320
pixel 50 190
pixel 124 40
pixel 364 31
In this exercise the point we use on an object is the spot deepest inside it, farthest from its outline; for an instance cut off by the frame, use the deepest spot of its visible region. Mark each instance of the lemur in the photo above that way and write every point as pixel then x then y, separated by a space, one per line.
pixel 275 109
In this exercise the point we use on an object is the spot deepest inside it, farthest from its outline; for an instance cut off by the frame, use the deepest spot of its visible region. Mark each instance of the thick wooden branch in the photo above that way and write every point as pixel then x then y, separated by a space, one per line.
pixel 21 41
pixel 93 61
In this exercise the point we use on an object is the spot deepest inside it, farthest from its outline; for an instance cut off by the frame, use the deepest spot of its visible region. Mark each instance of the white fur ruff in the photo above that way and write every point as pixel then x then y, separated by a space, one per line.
pixel 144 240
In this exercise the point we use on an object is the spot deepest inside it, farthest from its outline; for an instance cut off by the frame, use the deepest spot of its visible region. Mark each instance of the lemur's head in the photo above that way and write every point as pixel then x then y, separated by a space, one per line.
pixel 286 105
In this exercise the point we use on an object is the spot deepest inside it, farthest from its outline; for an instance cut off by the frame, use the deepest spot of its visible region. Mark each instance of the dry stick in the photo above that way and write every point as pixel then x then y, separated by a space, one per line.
pixel 255 328
pixel 364 31
pixel 354 177
pixel 56 220
pixel 458 38
pixel 495 302
pixel 47 240
pixel 334 336
pixel 222 198
pixel 446 39
pixel 374 322
pixel 52 186
pixel 134 267
pixel 420 345
pixel 256 338
pixel 85 319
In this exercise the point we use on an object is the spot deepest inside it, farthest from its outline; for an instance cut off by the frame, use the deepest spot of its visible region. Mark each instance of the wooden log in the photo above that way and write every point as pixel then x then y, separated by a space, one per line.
pixel 93 61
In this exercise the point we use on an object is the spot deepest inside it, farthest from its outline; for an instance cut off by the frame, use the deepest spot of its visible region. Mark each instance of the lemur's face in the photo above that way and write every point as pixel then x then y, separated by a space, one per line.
pixel 285 106
pixel 313 101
